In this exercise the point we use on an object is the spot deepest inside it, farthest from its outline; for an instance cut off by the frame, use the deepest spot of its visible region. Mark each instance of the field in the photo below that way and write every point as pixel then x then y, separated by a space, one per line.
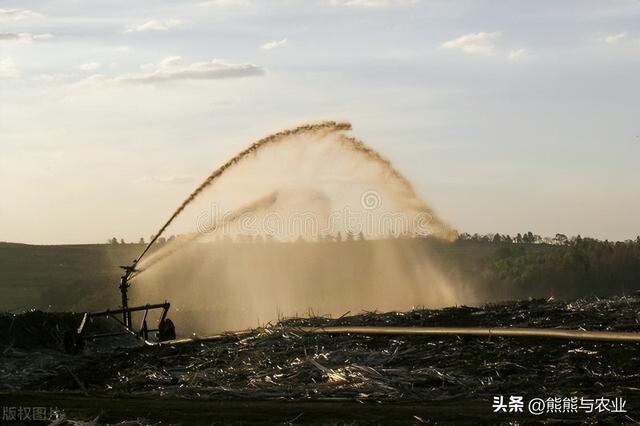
pixel 280 374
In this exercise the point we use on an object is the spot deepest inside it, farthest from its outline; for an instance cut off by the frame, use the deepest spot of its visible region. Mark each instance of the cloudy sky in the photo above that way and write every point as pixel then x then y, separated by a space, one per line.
pixel 508 116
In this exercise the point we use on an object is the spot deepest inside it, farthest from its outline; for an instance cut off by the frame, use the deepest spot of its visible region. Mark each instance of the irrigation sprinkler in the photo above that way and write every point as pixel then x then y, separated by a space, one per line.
pixel 165 330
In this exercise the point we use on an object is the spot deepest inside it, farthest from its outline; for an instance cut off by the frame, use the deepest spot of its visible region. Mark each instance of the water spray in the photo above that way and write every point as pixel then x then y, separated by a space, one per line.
pixel 325 126
pixel 166 330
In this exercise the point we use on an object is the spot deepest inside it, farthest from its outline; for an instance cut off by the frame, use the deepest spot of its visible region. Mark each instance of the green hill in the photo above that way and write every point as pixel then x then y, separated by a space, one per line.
pixel 85 277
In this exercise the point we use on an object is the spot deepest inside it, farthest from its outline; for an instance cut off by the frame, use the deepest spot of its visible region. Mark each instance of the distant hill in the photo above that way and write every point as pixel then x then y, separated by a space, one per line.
pixel 63 277
pixel 85 277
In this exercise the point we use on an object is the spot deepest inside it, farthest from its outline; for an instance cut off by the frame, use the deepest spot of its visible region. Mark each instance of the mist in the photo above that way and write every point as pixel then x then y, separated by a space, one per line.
pixel 303 222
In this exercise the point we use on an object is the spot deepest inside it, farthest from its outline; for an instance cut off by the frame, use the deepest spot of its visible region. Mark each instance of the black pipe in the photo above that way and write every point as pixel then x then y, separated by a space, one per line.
pixel 108 312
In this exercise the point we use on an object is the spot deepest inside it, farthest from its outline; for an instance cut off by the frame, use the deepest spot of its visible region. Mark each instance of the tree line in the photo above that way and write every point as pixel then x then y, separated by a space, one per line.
pixel 161 240
pixel 564 267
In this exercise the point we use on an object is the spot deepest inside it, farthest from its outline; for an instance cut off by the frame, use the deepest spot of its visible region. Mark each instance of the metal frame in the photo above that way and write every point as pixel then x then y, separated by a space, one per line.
pixel 141 333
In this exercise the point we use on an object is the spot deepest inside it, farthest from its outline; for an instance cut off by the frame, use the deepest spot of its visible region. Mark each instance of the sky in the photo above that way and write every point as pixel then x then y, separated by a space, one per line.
pixel 507 116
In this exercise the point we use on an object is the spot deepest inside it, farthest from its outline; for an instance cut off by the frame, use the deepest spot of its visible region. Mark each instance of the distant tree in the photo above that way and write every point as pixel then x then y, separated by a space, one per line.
pixel 519 238
pixel 528 238
pixel 361 236
pixel 338 237
pixel 122 241
pixel 162 240
pixel 496 238
pixel 141 240
pixel 113 240
pixel 560 239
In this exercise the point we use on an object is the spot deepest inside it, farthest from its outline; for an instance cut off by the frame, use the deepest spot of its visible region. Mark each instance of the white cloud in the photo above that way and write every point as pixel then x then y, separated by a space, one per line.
pixel 90 66
pixel 17 14
pixel 23 37
pixel 155 25
pixel 148 67
pixel 122 49
pixel 621 39
pixel 615 38
pixel 8 69
pixel 473 43
pixel 16 37
pixel 173 68
pixel 167 63
pixel 273 44
pixel 518 55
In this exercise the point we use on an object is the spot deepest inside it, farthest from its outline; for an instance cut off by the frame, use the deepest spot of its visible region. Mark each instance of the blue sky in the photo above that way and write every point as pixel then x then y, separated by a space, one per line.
pixel 507 116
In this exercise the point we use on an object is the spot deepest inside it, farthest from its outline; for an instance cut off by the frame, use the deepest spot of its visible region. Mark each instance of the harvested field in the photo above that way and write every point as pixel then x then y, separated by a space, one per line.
pixel 279 363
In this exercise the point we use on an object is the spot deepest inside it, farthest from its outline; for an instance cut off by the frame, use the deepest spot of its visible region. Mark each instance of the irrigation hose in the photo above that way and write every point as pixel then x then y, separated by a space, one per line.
pixel 544 333
pixel 551 333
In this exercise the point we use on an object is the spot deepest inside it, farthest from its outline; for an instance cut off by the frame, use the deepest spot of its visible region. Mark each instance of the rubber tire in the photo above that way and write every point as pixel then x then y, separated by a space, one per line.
pixel 166 330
